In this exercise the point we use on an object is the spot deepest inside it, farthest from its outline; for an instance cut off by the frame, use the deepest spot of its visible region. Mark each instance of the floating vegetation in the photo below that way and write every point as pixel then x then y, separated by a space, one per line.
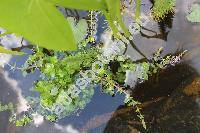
pixel 194 14
pixel 161 8
pixel 6 107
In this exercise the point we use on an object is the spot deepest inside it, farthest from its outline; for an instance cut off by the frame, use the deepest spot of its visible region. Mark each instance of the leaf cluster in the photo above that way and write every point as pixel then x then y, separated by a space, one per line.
pixel 59 73
pixel 161 8
pixel 6 107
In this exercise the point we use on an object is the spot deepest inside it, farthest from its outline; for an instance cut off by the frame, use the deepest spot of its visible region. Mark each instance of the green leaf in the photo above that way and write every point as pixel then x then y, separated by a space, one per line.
pixel 6 51
pixel 161 8
pixel 79 29
pixel 23 121
pixel 119 19
pixel 80 4
pixel 114 14
pixel 111 23
pixel 39 22
pixel 137 10
pixel 194 16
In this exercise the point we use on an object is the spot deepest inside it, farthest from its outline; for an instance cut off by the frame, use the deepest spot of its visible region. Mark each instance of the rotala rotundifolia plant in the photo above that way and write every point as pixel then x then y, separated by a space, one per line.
pixel 70 59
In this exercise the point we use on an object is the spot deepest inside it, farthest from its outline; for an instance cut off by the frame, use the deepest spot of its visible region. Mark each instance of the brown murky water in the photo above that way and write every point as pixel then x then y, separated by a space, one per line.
pixel 170 100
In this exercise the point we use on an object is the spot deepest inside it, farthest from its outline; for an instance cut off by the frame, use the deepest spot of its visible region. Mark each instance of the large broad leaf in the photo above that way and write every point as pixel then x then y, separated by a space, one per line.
pixel 6 51
pixel 38 21
pixel 79 29
pixel 81 4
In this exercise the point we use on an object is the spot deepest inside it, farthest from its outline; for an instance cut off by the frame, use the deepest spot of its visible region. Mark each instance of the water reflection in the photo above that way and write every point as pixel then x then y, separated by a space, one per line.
pixel 7 95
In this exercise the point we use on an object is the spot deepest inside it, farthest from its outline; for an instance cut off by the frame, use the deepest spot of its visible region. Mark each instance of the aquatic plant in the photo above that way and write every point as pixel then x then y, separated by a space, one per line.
pixel 68 78
pixel 6 107
pixel 194 14
pixel 23 121
pixel 161 8
pixel 58 88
